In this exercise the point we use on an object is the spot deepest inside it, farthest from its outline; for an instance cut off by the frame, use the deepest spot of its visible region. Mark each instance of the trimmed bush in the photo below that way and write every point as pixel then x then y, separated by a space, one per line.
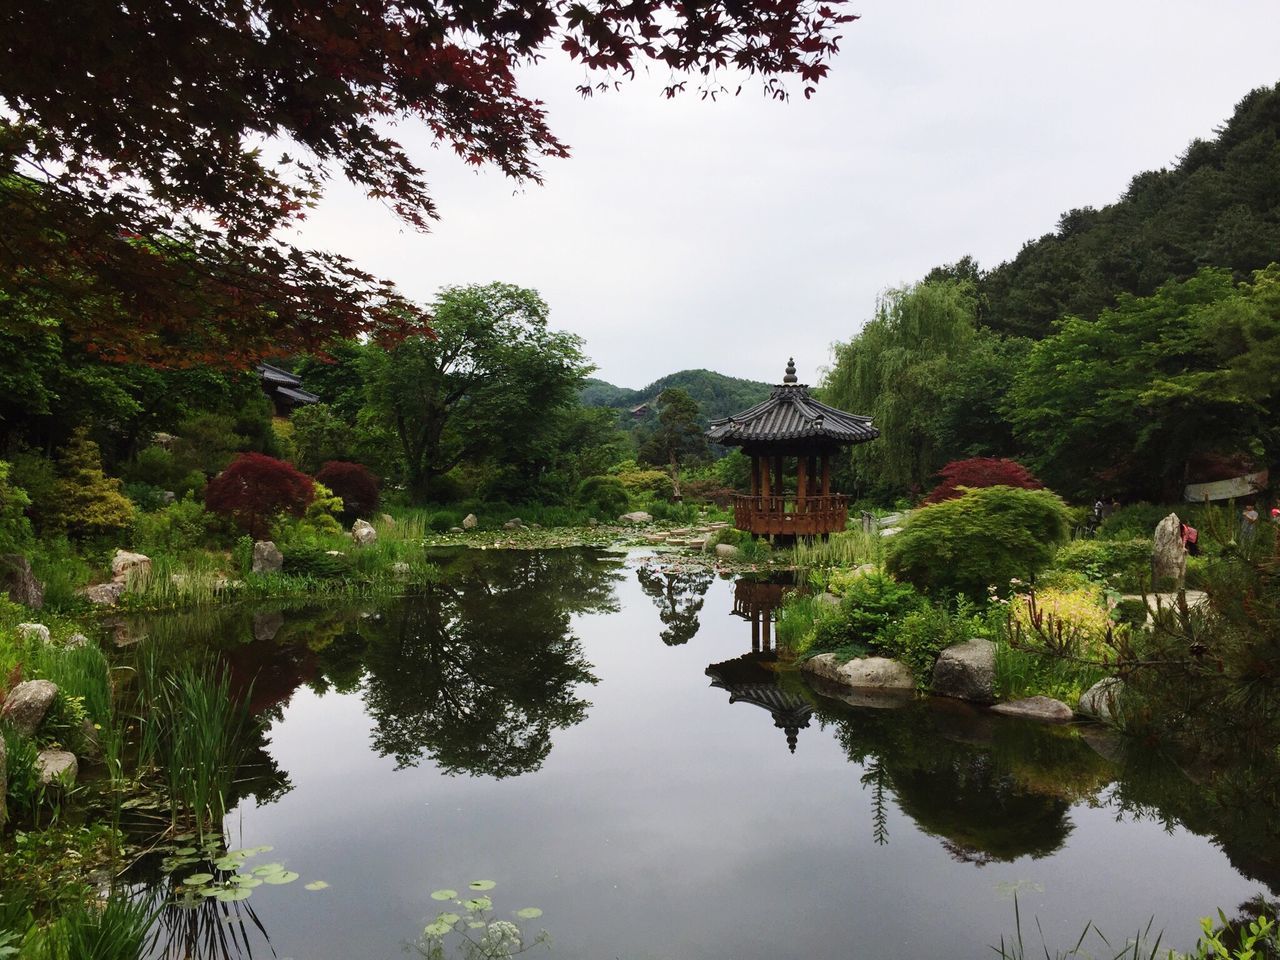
pixel 606 495
pixel 1137 520
pixel 88 502
pixel 980 472
pixel 311 561
pixel 1124 562
pixel 872 606
pixel 355 484
pixel 177 528
pixel 987 537
pixel 255 489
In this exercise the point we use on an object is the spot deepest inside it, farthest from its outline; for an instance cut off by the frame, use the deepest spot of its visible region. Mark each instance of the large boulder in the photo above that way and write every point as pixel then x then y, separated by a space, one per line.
pixel 33 631
pixel 266 624
pixel 76 641
pixel 872 673
pixel 126 564
pixel 26 705
pixel 57 766
pixel 470 522
pixel 1043 709
pixel 636 516
pixel 105 594
pixel 363 534
pixel 1102 700
pixel 726 551
pixel 267 557
pixel 18 581
pixel 515 523
pixel 1168 555
pixel 966 671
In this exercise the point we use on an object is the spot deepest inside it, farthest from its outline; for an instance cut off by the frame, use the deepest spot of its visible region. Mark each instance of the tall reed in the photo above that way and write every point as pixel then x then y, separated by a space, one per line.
pixel 847 549
pixel 113 930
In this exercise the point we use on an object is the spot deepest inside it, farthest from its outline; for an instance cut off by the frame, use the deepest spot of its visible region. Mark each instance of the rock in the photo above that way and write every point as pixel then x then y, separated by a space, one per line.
pixel 469 522
pixel 4 784
pixel 400 568
pixel 363 534
pixel 535 526
pixel 105 594
pixel 334 553
pixel 1102 700
pixel 592 522
pixel 877 673
pixel 1168 555
pixel 33 631
pixel 167 497
pixel 27 703
pixel 165 440
pixel 886 698
pixel 267 557
pixel 636 516
pixel 890 531
pixel 827 600
pixel 1043 709
pixel 76 640
pixel 267 624
pixel 727 550
pixel 125 565
pixel 387 520
pixel 966 671
pixel 456 530
pixel 57 766
pixel 515 523
pixel 17 580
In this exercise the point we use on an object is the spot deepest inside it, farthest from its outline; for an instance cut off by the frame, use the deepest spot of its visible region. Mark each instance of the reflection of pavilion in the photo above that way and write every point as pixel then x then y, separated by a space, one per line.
pixel 749 679
pixel 756 600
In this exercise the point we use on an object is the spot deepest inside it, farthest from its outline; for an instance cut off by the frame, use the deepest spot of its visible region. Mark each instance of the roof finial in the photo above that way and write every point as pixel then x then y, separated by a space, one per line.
pixel 791 371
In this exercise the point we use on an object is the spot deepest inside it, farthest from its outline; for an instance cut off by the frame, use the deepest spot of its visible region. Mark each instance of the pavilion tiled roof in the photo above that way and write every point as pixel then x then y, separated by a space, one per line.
pixel 790 413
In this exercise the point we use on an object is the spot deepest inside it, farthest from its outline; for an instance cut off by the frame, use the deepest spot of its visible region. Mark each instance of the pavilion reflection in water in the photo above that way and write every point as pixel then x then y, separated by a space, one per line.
pixel 752 678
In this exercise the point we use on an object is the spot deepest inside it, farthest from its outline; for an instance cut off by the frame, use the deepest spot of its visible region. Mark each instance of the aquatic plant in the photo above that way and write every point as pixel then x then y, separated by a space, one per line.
pixel 473 931
pixel 115 929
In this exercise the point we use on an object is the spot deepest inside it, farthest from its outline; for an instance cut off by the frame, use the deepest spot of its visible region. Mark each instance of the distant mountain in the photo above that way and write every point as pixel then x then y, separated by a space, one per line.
pixel 716 394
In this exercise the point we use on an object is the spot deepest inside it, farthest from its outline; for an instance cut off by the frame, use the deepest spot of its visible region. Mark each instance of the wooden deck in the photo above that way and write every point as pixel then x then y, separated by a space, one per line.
pixel 790 517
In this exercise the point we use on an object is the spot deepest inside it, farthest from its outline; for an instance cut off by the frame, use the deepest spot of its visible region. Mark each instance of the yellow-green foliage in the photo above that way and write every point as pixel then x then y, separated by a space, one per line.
pixel 88 502
pixel 1081 612
pixel 638 480
pixel 322 514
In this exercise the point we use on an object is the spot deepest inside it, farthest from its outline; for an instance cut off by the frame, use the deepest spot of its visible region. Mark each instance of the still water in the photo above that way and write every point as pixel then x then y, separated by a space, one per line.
pixel 594 734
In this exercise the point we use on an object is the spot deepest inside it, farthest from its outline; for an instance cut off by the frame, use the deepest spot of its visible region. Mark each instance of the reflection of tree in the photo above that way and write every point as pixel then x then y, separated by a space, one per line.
pixel 477 671
pixel 679 596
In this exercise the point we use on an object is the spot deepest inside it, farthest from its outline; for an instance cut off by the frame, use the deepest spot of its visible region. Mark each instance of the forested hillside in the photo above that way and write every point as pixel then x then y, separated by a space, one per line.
pixel 1218 205
pixel 717 395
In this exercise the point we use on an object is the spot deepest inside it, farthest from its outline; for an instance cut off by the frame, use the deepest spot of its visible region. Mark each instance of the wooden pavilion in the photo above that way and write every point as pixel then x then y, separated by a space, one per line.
pixel 788 426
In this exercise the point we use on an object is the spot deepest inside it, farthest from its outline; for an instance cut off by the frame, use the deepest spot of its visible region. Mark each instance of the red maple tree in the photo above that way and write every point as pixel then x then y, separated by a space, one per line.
pixel 154 151
pixel 354 483
pixel 255 489
pixel 981 472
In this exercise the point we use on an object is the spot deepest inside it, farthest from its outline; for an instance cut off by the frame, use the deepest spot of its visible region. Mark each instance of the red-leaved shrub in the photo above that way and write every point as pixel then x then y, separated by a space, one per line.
pixel 255 488
pixel 355 484
pixel 981 472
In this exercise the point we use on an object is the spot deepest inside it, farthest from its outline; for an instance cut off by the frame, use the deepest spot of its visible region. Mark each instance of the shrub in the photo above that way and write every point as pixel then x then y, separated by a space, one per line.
pixel 38 477
pixel 1136 520
pixel 181 526
pixel 89 503
pixel 1079 613
pixel 981 472
pixel 708 490
pixel 319 436
pixel 305 560
pixel 1123 562
pixel 871 608
pixel 255 489
pixel 606 495
pixel 156 467
pixel 208 442
pixel 355 484
pixel 638 480
pixel 986 537
pixel 1131 611
pixel 15 528
pixel 926 631
pixel 323 511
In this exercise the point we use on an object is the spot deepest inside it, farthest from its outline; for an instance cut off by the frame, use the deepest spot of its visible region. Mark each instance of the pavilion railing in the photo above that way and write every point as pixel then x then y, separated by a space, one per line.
pixel 790 516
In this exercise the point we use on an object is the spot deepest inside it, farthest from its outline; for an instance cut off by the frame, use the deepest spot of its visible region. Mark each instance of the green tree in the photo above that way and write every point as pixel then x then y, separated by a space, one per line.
pixel 486 383
pixel 89 503
pixel 678 435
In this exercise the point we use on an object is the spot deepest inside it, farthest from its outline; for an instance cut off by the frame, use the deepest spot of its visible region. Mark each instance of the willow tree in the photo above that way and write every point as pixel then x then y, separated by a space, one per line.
pixel 898 369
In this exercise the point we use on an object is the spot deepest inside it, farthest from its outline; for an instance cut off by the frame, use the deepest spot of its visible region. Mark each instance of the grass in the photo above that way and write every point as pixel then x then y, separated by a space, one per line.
pixel 848 549
pixel 1023 673
pixel 113 930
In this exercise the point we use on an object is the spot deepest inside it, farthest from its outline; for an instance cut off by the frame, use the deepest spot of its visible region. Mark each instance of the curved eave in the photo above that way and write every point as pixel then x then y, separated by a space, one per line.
pixel 791 414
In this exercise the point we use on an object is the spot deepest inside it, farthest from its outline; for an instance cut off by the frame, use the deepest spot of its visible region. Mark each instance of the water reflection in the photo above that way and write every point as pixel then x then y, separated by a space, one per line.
pixel 679 594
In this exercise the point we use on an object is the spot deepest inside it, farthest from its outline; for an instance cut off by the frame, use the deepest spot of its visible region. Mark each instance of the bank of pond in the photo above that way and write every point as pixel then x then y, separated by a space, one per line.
pixel 609 752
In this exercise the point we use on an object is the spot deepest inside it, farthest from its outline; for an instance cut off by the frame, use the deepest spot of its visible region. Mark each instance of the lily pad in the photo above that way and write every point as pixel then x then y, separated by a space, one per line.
pixel 234 893
pixel 288 876
pixel 479 903
pixel 448 917
pixel 198 879
pixel 209 891
pixel 437 928
pixel 246 881
pixel 482 884
pixel 185 851
pixel 268 868
pixel 228 863
pixel 529 913
pixel 317 885
pixel 444 894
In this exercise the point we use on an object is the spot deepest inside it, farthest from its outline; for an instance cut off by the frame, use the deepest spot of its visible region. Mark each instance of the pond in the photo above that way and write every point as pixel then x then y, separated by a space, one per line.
pixel 594 733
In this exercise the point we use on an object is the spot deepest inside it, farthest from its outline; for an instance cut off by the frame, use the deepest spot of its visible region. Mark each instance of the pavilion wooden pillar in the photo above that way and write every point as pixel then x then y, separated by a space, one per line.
pixel 826 474
pixel 755 631
pixel 766 621
pixel 778 464
pixel 762 462
pixel 802 482
pixel 813 475
pixel 755 475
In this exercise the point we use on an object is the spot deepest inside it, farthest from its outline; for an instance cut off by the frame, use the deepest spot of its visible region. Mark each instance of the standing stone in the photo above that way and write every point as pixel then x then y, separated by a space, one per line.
pixel 1168 556
pixel 267 557
pixel 54 766
pixel 470 522
pixel 362 533
pixel 967 671
pixel 27 703
pixel 125 565
pixel 1102 700
pixel 19 582
pixel 33 631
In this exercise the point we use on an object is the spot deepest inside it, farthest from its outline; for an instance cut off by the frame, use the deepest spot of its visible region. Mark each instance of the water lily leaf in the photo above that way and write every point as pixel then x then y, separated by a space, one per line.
pixel 477 924
pixel 479 903
pixel 268 868
pixel 443 894
pixel 245 880
pixel 288 876
pixel 317 885
pixel 198 879
pixel 209 891
pixel 185 851
pixel 235 893
pixel 437 928
pixel 264 848
pixel 448 917
pixel 228 863
pixel 482 884
pixel 529 913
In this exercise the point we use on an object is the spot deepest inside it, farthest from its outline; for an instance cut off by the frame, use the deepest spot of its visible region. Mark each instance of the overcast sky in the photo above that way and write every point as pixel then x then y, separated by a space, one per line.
pixel 685 233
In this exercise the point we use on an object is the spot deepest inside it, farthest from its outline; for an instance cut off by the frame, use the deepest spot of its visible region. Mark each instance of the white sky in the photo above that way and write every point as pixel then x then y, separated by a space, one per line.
pixel 685 233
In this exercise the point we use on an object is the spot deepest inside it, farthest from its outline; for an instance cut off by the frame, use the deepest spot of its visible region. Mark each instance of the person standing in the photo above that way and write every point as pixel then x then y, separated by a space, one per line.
pixel 1248 523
